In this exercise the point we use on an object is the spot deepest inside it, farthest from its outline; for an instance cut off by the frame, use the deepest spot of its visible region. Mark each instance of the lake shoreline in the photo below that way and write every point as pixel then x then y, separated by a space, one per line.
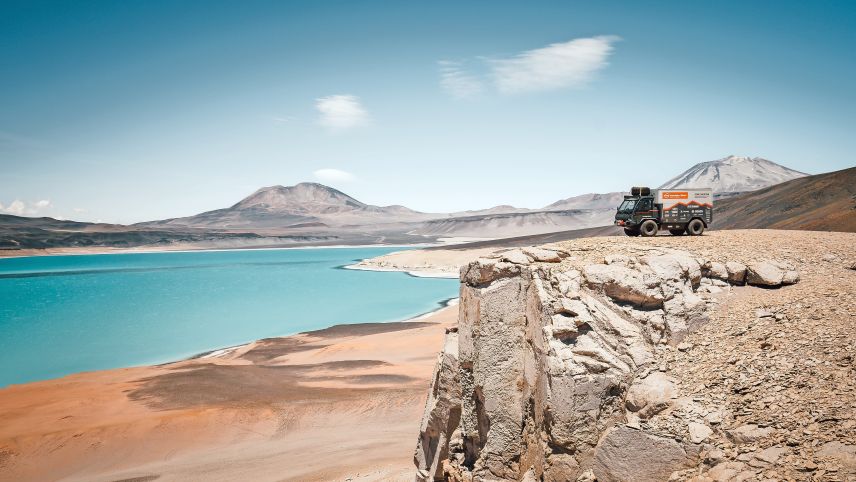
pixel 133 310
pixel 268 404
pixel 188 248
pixel 178 414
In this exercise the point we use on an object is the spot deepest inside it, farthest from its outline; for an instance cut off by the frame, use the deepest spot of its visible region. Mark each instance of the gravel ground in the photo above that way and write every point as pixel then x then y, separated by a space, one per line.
pixel 771 378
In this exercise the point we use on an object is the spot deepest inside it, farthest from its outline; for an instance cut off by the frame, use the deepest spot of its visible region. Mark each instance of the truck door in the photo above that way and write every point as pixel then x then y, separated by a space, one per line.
pixel 645 208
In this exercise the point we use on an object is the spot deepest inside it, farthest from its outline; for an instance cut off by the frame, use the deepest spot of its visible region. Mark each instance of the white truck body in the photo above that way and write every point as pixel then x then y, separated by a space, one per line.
pixel 681 205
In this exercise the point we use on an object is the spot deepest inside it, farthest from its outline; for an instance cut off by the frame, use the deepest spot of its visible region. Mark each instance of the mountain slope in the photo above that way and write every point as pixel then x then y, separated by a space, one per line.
pixel 504 225
pixel 609 200
pixel 733 174
pixel 17 232
pixel 305 204
pixel 824 202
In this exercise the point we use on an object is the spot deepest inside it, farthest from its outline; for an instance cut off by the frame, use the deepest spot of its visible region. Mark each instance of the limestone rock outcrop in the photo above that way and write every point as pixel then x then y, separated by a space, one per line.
pixel 554 374
pixel 442 413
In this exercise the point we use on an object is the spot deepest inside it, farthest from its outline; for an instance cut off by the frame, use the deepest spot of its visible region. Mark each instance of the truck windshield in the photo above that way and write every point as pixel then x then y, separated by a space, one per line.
pixel 627 206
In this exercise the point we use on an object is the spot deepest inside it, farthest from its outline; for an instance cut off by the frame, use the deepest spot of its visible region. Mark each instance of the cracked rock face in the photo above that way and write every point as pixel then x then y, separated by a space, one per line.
pixel 442 413
pixel 552 374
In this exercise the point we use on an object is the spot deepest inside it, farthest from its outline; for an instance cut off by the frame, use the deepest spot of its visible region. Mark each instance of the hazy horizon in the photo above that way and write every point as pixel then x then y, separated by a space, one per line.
pixel 134 112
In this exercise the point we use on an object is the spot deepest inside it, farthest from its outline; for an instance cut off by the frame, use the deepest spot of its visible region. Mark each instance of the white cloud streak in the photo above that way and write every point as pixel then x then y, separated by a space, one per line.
pixel 341 112
pixel 571 64
pixel 333 175
pixel 455 80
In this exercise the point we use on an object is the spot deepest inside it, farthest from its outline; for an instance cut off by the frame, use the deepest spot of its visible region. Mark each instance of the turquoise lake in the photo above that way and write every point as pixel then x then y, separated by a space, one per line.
pixel 66 314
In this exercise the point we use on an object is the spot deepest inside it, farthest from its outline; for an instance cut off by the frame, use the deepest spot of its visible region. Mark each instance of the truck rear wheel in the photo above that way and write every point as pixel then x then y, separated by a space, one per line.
pixel 677 232
pixel 631 232
pixel 648 228
pixel 695 227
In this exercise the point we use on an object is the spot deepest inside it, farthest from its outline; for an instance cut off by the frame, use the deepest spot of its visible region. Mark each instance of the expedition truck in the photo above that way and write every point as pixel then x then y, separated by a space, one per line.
pixel 679 210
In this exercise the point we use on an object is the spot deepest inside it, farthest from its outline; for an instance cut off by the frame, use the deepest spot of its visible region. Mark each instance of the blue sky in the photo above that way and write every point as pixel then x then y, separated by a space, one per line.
pixel 130 111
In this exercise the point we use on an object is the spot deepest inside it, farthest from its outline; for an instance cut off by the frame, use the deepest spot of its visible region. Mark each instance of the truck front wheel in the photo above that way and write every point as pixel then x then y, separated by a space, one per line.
pixel 648 228
pixel 695 227
pixel 631 232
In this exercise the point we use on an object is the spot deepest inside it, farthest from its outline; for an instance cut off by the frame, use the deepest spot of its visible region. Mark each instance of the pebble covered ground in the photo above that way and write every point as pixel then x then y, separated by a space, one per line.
pixel 768 384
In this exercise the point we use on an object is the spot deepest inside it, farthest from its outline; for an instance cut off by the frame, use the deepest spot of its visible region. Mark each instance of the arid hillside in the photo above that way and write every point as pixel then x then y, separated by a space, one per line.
pixel 825 202
pixel 730 356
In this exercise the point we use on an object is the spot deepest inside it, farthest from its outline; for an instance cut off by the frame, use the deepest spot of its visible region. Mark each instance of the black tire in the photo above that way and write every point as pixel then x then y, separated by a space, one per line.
pixel 631 232
pixel 648 228
pixel 677 232
pixel 695 227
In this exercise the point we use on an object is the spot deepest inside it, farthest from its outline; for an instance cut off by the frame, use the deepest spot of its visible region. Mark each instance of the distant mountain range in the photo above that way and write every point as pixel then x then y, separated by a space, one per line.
pixel 312 213
pixel 733 174
pixel 316 206
pixel 319 208
pixel 610 200
pixel 306 204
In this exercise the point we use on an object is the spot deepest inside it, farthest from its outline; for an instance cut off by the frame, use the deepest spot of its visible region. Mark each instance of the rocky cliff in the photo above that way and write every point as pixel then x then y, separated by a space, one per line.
pixel 563 367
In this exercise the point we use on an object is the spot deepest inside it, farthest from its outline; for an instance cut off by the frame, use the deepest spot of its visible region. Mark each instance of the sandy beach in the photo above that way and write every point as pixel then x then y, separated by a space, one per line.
pixel 334 404
pixel 445 263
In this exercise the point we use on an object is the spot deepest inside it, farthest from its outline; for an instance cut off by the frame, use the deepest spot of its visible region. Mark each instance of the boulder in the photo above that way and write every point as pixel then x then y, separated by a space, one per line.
pixel 516 256
pixel 629 454
pixel 651 395
pixel 623 284
pixel 736 272
pixel 770 274
pixel 543 255
pixel 699 432
pixel 674 266
pixel 716 270
pixel 484 270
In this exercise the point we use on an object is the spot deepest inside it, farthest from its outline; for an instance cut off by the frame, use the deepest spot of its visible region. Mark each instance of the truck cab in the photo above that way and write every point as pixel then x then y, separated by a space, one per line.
pixel 681 211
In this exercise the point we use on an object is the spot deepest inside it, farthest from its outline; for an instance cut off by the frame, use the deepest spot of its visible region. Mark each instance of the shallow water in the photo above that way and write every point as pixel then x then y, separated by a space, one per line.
pixel 65 314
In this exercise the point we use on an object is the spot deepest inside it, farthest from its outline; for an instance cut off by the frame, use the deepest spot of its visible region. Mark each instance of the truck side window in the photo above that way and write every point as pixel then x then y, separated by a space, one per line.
pixel 644 205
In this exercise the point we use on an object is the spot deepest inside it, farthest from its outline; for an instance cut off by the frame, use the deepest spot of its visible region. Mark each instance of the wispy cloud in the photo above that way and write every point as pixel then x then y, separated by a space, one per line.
pixel 341 112
pixel 333 175
pixel 571 64
pixel 556 66
pixel 457 81
pixel 17 208
pixel 21 208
